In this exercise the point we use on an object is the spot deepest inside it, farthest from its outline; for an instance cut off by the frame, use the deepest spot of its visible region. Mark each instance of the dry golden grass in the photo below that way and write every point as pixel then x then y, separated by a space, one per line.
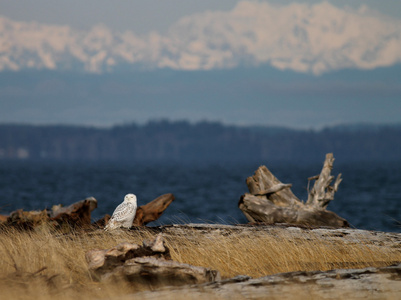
pixel 262 255
pixel 43 265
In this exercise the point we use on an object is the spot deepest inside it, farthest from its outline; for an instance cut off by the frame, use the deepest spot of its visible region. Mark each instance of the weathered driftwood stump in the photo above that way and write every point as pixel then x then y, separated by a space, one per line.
pixel 149 265
pixel 270 201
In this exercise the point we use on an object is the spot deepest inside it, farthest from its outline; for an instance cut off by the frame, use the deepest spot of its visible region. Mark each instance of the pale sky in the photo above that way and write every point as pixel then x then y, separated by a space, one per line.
pixel 143 16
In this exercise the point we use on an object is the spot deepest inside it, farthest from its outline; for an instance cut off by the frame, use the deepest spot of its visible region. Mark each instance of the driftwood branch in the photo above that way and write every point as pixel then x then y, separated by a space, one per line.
pixel 153 210
pixel 271 201
pixel 323 192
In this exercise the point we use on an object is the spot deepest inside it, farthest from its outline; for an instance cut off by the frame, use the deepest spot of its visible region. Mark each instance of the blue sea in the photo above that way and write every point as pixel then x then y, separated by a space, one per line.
pixel 369 196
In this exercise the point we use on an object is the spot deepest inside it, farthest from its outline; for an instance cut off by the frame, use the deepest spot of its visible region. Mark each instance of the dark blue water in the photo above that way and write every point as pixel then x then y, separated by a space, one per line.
pixel 369 196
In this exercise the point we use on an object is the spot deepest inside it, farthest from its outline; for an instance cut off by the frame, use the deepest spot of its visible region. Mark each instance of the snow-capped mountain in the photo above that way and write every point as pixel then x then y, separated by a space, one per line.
pixel 305 38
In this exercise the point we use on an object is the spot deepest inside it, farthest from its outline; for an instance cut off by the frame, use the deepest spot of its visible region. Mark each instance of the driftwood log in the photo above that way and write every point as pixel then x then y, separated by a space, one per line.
pixel 3 218
pixel 367 283
pixel 27 219
pixel 153 210
pixel 371 283
pixel 149 265
pixel 388 240
pixel 271 201
pixel 76 215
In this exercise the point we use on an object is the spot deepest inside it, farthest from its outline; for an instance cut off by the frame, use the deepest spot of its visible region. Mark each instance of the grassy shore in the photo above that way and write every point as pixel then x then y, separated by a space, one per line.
pixel 44 265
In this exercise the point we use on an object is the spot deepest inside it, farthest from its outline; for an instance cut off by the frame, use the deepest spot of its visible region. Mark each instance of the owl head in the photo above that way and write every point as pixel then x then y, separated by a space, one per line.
pixel 130 198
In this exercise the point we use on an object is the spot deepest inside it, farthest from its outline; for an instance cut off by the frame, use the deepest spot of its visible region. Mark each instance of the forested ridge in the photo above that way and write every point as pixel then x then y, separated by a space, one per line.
pixel 182 141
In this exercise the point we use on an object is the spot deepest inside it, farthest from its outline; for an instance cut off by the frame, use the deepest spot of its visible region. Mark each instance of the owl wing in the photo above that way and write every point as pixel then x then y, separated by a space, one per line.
pixel 123 211
pixel 120 211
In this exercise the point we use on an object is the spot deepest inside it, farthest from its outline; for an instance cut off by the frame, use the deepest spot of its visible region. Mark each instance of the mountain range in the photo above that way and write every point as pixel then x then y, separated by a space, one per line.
pixel 305 38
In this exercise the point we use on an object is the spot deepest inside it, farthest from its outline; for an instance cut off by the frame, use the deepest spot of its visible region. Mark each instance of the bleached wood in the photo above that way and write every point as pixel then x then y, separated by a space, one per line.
pixel 263 180
pixel 271 201
pixel 149 265
pixel 274 189
pixel 322 191
pixel 367 283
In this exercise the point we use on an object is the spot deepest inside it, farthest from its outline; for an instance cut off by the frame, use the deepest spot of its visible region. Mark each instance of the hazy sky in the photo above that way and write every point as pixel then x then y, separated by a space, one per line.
pixel 142 16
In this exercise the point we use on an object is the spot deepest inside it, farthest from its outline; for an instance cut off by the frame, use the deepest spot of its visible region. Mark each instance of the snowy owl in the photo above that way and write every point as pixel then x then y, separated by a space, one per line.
pixel 124 214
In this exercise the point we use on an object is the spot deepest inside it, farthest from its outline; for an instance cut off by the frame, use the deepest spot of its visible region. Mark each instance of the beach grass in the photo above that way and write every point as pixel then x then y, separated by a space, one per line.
pixel 45 264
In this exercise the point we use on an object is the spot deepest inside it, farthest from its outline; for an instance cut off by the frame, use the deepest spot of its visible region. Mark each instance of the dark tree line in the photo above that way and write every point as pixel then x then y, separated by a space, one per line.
pixel 201 142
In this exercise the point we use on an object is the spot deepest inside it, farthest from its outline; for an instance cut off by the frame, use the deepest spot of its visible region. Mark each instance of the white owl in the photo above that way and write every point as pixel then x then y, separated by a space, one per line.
pixel 124 214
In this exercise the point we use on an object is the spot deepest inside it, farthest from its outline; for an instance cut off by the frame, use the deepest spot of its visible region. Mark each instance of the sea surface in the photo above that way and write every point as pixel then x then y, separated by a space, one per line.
pixel 369 196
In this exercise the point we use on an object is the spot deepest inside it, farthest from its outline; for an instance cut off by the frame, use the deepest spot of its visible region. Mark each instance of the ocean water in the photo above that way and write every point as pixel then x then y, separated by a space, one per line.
pixel 369 196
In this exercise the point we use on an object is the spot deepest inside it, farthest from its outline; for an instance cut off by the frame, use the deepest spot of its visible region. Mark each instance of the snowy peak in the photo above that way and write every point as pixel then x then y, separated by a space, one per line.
pixel 305 38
